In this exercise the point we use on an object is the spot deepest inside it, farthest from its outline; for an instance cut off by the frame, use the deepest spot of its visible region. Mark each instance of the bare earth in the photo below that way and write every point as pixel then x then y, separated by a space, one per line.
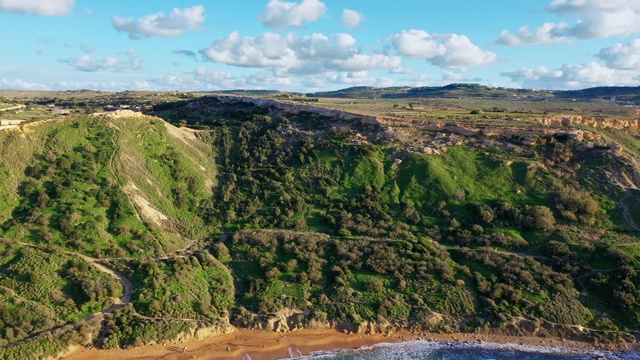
pixel 270 345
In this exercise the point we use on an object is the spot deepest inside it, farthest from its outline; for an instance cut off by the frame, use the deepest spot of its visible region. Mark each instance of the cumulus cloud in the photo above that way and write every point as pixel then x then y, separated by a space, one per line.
pixel 547 33
pixel 19 84
pixel 446 51
pixel 47 41
pixel 313 54
pixel 87 48
pixel 340 80
pixel 188 53
pixel 623 57
pixel 281 15
pixel 591 19
pixel 94 85
pixel 204 75
pixel 572 77
pixel 265 80
pixel 450 76
pixel 134 63
pixel 205 79
pixel 351 19
pixel 37 7
pixel 418 80
pixel 265 50
pixel 175 24
pixel 141 85
pixel 173 82
pixel 352 78
pixel 86 63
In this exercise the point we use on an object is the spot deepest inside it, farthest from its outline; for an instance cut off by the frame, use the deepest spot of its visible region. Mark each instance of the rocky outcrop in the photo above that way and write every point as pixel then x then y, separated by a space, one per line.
pixel 201 332
pixel 489 131
pixel 596 122
pixel 297 108
pixel 283 321
pixel 616 148
pixel 119 114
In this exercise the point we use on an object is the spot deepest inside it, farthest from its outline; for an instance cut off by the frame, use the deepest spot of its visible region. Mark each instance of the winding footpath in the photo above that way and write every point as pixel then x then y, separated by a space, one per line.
pixel 127 289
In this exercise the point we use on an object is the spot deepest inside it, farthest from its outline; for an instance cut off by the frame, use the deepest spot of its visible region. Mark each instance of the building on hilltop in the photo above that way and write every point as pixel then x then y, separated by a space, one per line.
pixel 11 122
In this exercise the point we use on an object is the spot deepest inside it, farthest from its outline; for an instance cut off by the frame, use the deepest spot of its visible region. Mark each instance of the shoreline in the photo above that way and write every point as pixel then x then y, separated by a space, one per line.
pixel 258 344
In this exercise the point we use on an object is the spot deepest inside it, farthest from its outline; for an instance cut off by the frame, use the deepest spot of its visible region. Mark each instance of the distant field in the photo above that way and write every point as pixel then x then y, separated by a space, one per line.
pixel 443 108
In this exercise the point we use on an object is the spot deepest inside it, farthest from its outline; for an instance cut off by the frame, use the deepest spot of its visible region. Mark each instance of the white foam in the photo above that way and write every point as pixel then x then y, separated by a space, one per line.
pixel 419 349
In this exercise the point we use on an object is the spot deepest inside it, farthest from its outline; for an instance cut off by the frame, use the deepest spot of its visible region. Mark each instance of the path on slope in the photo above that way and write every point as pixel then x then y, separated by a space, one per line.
pixel 127 292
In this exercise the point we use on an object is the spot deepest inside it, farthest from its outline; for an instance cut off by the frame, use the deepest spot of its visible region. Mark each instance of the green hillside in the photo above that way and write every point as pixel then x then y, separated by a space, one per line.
pixel 263 209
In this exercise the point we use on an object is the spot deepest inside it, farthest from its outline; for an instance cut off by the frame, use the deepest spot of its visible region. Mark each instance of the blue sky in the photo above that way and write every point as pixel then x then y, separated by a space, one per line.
pixel 315 45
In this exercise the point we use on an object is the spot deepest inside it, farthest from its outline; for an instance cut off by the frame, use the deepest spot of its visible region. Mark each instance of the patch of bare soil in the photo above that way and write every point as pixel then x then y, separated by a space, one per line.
pixel 183 134
pixel 145 208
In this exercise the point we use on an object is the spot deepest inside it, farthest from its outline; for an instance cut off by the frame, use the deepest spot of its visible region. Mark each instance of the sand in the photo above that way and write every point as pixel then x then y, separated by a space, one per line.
pixel 270 345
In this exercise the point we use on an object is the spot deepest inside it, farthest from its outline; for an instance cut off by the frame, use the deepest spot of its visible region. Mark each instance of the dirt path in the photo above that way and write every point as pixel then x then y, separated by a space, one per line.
pixel 17 107
pixel 127 292
pixel 99 264
pixel 626 212
pixel 516 254
pixel 629 197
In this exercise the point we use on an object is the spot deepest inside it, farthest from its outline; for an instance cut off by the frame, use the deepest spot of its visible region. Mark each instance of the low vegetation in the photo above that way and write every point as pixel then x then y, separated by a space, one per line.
pixel 256 209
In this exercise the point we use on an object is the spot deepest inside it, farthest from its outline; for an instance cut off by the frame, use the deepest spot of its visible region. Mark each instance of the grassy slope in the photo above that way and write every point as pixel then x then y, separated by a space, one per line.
pixel 157 163
pixel 382 215
pixel 41 289
pixel 68 185
pixel 96 161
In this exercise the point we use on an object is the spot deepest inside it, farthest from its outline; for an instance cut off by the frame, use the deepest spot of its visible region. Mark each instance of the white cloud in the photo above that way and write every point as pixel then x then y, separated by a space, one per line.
pixel 360 62
pixel 446 51
pixel 281 15
pixel 204 79
pixel 418 80
pixel 572 77
pixel 134 63
pixel 88 64
pixel 452 76
pixel 624 57
pixel 547 33
pixel 175 24
pixel 188 53
pixel 265 80
pixel 141 85
pixel 592 19
pixel 19 84
pixel 47 41
pixel 568 7
pixel 265 50
pixel 87 48
pixel 313 54
pixel 204 75
pixel 93 85
pixel 172 82
pixel 351 19
pixel 358 78
pixel 37 7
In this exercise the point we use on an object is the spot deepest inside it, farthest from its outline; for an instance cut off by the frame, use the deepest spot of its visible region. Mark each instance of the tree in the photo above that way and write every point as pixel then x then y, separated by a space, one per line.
pixel 542 217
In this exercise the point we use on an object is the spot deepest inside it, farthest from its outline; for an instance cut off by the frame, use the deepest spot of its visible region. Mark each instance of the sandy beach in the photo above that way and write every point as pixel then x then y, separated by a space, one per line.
pixel 270 345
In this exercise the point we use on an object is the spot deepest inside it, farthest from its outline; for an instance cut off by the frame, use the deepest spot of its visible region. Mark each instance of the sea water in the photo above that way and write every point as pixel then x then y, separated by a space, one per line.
pixel 427 350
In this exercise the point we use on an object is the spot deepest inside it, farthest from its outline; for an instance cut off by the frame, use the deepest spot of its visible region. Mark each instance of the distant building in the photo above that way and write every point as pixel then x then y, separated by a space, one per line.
pixel 11 122
pixel 612 102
